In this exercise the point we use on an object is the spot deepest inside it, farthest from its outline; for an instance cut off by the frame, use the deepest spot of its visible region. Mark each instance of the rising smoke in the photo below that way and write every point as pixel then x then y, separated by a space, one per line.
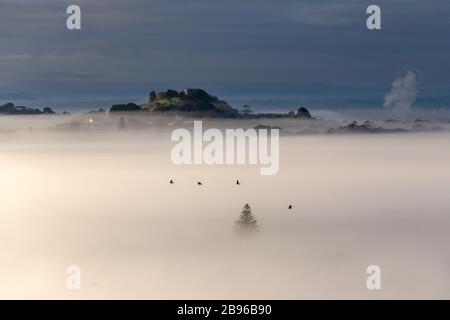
pixel 403 93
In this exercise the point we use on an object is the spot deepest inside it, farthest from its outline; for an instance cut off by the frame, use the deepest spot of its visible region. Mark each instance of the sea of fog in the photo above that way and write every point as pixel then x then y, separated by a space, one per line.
pixel 102 200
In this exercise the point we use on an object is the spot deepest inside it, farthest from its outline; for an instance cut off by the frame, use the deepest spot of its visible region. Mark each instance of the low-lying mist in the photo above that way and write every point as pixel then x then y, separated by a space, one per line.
pixel 101 199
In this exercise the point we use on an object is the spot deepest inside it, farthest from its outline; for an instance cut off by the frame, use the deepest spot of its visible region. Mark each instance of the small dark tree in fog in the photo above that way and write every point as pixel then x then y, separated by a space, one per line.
pixel 246 221
pixel 122 125
pixel 247 110
pixel 152 97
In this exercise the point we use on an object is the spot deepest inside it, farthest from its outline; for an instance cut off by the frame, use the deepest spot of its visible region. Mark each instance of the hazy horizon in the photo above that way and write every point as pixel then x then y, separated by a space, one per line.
pixel 280 53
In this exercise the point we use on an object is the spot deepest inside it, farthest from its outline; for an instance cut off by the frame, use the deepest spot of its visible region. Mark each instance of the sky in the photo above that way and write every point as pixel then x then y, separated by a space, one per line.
pixel 281 51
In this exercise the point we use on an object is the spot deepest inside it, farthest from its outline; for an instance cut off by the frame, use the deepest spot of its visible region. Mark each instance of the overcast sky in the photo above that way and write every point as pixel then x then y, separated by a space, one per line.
pixel 126 48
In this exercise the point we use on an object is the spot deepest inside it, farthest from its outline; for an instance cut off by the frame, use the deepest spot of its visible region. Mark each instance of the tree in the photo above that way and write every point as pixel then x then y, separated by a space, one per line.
pixel 247 110
pixel 122 125
pixel 152 97
pixel 247 220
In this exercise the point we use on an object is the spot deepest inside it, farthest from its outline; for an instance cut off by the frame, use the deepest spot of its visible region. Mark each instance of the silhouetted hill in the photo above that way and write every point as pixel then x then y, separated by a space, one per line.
pixel 10 108
pixel 366 127
pixel 195 102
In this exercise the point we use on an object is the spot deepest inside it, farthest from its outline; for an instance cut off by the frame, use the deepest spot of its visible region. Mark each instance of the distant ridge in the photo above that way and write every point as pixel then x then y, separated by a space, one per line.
pixel 11 108
pixel 199 103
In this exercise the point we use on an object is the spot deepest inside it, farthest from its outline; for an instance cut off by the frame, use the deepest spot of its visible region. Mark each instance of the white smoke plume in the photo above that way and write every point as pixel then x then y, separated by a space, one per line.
pixel 403 93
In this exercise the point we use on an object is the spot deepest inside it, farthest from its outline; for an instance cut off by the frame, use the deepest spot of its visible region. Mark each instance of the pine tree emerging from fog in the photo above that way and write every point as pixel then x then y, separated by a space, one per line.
pixel 122 125
pixel 247 220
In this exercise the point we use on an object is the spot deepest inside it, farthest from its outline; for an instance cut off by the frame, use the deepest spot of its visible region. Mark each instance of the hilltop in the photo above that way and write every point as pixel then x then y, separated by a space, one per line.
pixel 194 102
pixel 11 108
pixel 199 103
